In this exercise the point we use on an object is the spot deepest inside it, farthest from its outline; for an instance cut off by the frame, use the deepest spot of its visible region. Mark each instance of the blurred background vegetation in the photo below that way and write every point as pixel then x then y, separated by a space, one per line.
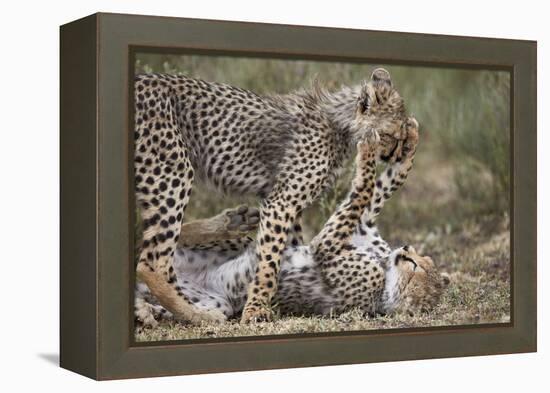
pixel 462 166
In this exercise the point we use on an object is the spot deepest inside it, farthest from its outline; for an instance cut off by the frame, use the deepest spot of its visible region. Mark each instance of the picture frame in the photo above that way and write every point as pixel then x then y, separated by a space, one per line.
pixel 96 269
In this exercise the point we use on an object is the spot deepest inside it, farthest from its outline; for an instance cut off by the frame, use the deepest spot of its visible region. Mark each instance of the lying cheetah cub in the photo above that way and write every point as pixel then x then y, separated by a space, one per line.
pixel 347 265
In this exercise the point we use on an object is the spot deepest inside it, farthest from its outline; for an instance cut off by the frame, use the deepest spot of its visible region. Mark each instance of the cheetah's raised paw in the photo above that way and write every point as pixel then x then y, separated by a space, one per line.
pixel 242 219
pixel 369 144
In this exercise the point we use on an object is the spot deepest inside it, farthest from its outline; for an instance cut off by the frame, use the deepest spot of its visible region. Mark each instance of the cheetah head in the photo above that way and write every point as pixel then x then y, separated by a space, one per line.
pixel 380 109
pixel 413 283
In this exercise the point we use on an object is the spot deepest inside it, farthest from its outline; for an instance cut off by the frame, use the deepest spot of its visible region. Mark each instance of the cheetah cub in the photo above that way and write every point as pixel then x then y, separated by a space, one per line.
pixel 286 149
pixel 347 265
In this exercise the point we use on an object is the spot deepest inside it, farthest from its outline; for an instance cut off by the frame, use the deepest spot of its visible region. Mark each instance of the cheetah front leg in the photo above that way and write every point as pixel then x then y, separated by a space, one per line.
pixel 276 218
pixel 335 237
pixel 295 236
pixel 353 280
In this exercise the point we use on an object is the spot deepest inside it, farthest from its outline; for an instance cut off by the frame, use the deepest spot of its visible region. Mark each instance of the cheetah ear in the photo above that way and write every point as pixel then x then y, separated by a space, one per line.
pixel 445 279
pixel 382 76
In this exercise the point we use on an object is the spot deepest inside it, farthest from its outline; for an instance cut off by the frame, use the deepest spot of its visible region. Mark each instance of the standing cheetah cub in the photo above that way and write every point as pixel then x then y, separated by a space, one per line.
pixel 285 148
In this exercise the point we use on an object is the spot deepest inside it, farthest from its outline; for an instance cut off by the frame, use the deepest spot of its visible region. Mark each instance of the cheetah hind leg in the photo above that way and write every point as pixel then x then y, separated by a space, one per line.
pixel 225 232
pixel 170 295
pixel 162 216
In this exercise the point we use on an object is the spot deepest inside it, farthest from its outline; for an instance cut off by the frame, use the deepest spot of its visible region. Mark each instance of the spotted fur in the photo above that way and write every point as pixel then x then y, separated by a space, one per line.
pixel 285 148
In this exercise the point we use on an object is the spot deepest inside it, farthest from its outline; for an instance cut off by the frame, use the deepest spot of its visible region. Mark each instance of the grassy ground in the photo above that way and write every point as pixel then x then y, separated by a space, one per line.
pixel 453 206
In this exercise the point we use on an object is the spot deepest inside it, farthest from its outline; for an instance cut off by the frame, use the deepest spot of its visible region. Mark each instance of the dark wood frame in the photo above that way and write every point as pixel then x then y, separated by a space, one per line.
pixel 97 202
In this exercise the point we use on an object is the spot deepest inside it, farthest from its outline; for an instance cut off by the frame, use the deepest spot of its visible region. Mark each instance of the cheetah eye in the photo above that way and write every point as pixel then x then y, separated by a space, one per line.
pixel 364 104
pixel 412 261
pixel 378 99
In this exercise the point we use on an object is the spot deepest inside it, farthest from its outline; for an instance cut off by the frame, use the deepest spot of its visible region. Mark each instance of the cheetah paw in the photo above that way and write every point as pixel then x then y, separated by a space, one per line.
pixel 242 219
pixel 252 314
pixel 207 316
pixel 369 144
pixel 372 138
pixel 411 140
pixel 144 314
